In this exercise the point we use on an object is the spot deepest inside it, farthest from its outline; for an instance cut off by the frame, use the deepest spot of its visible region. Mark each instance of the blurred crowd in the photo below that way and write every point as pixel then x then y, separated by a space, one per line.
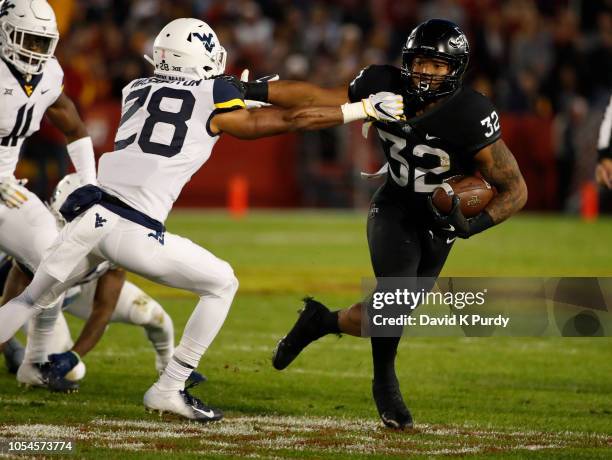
pixel 546 58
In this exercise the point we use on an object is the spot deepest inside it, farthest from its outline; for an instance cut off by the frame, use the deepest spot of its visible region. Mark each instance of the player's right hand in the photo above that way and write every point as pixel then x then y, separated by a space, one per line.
pixel 603 173
pixel 11 194
pixel 452 225
pixel 384 106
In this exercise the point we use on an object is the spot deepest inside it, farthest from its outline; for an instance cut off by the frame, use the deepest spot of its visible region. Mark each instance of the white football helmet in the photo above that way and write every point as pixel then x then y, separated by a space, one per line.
pixel 65 187
pixel 188 48
pixel 28 34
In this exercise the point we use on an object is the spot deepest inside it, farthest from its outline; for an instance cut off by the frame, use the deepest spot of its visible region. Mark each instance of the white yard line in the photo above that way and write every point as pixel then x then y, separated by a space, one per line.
pixel 246 435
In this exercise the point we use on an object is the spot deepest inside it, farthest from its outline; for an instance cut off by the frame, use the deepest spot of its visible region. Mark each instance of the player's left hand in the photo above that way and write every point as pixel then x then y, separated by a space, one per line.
pixel 244 78
pixel 455 224
pixel 603 173
pixel 10 193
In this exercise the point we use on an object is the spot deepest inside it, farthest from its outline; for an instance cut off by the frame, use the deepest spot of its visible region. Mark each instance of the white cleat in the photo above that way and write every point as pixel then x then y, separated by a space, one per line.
pixel 180 403
pixel 42 375
pixel 29 375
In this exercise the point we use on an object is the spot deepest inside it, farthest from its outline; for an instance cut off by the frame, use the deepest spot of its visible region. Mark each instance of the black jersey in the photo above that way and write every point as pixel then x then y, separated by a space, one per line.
pixel 433 146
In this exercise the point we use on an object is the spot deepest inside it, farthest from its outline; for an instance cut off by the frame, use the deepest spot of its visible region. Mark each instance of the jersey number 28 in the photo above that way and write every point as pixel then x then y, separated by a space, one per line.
pixel 157 115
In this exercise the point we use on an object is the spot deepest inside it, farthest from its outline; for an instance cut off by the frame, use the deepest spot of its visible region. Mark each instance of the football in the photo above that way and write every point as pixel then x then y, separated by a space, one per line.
pixel 474 192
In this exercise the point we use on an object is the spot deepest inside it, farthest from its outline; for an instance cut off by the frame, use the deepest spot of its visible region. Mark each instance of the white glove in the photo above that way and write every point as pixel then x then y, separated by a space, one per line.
pixel 10 193
pixel 384 106
pixel 244 77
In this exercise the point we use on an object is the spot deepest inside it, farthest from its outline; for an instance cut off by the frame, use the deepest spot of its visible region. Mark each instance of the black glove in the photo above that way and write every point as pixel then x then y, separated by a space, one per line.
pixel 455 224
pixel 234 81
pixel 62 363
pixel 256 90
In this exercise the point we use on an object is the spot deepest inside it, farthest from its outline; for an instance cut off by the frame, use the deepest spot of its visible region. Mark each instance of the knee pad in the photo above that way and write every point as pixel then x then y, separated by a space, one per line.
pixel 146 311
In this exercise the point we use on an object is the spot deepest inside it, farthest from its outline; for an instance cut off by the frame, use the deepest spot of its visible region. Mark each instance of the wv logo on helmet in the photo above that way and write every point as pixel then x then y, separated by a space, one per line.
pixel 4 8
pixel 207 40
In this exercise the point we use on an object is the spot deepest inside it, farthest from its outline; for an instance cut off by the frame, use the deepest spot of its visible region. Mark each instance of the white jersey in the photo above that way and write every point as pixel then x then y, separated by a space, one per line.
pixel 23 105
pixel 163 138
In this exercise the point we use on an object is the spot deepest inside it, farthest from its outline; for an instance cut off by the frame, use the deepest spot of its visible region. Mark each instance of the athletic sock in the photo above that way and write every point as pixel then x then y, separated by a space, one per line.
pixel 174 376
pixel 384 350
pixel 40 335
pixel 160 333
pixel 329 322
pixel 201 329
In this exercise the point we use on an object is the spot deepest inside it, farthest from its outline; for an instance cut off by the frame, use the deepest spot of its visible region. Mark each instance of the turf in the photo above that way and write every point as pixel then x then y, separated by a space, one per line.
pixel 474 397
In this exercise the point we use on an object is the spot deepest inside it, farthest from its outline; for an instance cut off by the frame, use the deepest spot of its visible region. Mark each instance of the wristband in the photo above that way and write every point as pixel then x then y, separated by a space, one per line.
pixel 480 223
pixel 256 91
pixel 353 112
pixel 82 155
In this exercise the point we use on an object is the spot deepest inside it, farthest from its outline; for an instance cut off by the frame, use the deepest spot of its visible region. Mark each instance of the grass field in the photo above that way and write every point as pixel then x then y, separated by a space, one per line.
pixel 485 398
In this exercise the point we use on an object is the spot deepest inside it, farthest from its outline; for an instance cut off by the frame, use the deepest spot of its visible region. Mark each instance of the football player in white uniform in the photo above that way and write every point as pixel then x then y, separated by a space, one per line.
pixel 102 296
pixel 31 87
pixel 169 125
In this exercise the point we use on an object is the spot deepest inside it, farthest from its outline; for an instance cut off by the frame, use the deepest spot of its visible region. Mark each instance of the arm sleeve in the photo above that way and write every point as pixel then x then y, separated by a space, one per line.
pixel 226 97
pixel 604 147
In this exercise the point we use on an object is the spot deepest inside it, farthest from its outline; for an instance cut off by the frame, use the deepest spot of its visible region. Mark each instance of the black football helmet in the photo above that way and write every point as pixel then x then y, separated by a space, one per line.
pixel 438 39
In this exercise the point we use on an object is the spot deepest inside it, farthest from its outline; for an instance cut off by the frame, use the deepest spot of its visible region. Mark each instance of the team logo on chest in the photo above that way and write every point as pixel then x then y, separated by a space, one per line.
pixel 8 92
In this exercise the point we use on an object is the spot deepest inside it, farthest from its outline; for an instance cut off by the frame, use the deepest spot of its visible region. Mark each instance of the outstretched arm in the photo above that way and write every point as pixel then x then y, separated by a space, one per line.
pixel 498 166
pixel 268 121
pixel 64 116
pixel 287 93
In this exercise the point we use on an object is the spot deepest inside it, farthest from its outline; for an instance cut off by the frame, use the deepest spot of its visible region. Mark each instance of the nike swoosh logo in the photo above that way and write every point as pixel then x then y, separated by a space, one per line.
pixel 45 91
pixel 430 138
pixel 207 413
pixel 450 240
pixel 378 108
pixel 450 228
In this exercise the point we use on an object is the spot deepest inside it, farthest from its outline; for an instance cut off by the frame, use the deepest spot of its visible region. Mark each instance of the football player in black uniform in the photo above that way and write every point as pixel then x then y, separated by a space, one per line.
pixel 450 129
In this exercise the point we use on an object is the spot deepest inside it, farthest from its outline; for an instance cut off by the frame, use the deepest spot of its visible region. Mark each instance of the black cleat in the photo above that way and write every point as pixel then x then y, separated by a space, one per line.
pixel 194 379
pixel 56 382
pixel 13 355
pixel 391 407
pixel 307 329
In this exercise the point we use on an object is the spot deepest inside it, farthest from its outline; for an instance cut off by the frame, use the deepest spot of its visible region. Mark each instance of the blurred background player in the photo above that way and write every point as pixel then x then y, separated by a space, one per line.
pixel 32 85
pixel 603 171
pixel 169 125
pixel 451 130
pixel 101 297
